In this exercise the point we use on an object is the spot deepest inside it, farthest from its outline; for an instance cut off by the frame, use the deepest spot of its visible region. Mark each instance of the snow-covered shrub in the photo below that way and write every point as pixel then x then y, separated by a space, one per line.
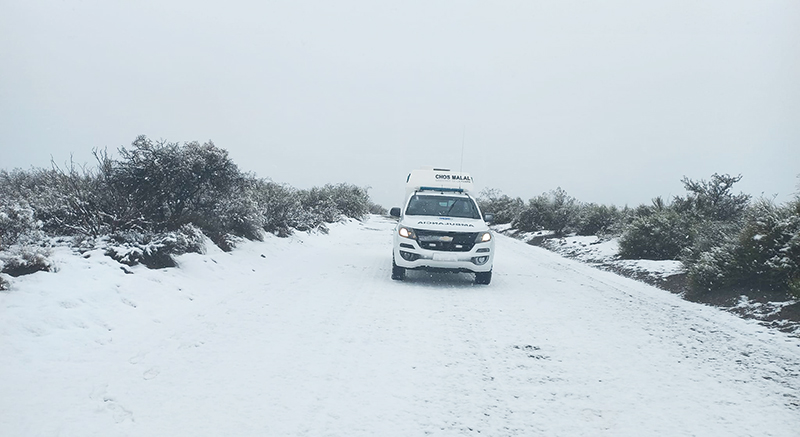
pixel 707 235
pixel 172 184
pixel 311 209
pixel 319 202
pixel 350 200
pixel 374 208
pixel 18 225
pixel 688 226
pixel 554 211
pixel 504 208
pixel 68 200
pixel 155 250
pixel 115 206
pixel 306 220
pixel 276 205
pixel 227 242
pixel 5 280
pixel 233 217
pixel 765 253
pixel 281 208
pixel 156 188
pixel 712 200
pixel 78 195
pixel 40 190
pixel 714 268
pixel 661 235
pixel 21 260
pixel 594 219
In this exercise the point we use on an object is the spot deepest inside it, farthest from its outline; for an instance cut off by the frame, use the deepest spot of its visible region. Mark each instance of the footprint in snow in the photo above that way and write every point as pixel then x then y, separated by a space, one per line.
pixel 138 358
pixel 109 403
pixel 151 373
pixel 118 412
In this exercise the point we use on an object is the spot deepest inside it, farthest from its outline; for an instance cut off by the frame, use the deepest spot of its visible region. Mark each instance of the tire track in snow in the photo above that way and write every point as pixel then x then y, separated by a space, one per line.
pixel 309 336
pixel 700 337
pixel 688 344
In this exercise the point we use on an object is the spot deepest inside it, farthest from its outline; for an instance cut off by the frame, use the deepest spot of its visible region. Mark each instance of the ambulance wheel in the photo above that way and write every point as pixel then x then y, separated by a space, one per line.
pixel 483 278
pixel 398 273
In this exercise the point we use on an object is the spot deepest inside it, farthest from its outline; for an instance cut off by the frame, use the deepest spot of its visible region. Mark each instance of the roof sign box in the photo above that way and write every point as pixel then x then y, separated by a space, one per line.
pixel 438 179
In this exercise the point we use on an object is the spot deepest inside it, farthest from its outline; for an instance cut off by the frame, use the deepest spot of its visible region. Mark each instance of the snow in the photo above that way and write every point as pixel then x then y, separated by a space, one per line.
pixel 308 336
pixel 503 227
pixel 585 248
pixel 604 253
pixel 524 236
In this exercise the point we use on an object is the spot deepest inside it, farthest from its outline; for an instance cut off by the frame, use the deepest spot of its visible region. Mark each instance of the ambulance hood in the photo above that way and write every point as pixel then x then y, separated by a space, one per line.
pixel 446 224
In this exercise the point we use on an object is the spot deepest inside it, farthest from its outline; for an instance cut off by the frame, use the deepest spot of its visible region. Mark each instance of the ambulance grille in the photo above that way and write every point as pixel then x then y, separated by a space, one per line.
pixel 446 241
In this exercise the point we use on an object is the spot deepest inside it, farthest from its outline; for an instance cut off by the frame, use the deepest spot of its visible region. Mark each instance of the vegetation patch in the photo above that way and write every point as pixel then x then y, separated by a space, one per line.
pixel 23 260
pixel 154 200
pixel 738 253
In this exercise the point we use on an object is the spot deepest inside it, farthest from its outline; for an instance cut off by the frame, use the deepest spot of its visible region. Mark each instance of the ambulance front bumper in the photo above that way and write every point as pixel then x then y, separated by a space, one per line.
pixel 408 254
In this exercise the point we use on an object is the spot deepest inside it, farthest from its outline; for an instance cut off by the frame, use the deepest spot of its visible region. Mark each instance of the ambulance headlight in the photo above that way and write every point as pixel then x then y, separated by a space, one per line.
pixel 484 237
pixel 407 233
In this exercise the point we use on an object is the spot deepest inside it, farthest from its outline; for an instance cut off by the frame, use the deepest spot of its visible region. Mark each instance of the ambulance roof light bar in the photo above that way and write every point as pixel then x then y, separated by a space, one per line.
pixel 442 189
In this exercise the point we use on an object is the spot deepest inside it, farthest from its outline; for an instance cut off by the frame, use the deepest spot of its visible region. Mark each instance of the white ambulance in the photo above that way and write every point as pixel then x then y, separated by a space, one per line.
pixel 441 227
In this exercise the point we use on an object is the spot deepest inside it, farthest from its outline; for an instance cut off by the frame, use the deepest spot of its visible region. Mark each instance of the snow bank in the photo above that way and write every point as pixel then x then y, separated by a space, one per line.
pixel 308 335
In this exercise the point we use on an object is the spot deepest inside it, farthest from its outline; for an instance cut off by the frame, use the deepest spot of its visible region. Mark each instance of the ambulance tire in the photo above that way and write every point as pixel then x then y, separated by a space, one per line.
pixel 398 273
pixel 483 278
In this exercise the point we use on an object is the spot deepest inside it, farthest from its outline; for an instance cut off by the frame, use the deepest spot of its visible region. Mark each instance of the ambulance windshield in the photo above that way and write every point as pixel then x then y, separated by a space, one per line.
pixel 443 206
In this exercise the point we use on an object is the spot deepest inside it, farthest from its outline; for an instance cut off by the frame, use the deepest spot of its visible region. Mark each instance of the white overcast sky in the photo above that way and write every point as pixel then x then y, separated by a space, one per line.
pixel 614 101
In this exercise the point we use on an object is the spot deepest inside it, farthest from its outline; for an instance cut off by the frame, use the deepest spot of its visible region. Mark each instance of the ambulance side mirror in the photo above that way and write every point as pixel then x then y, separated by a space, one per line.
pixel 488 218
pixel 395 212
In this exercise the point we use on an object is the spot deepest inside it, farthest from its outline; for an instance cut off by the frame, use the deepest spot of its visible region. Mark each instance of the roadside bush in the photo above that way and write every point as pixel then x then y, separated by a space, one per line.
pixel 231 217
pixel 691 227
pixel 770 243
pixel 146 199
pixel 504 208
pixel 173 185
pixel 706 235
pixel 153 187
pixel 555 211
pixel 21 260
pixel 594 219
pixel 764 254
pixel 374 208
pixel 276 205
pixel 661 235
pixel 712 200
pixel 328 204
pixel 320 205
pixel 351 201
pixel 18 225
pixel 80 201
pixel 712 269
pixel 155 250
pixel 62 200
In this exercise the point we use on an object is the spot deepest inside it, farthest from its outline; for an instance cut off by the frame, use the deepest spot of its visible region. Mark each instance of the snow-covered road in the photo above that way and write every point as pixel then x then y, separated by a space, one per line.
pixel 308 336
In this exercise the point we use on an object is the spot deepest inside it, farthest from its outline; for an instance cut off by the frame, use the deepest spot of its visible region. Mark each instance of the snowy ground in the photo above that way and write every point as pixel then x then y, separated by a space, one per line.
pixel 598 252
pixel 772 309
pixel 308 336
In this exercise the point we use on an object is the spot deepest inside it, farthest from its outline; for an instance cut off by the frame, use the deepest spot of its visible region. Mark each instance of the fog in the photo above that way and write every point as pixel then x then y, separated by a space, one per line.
pixel 613 102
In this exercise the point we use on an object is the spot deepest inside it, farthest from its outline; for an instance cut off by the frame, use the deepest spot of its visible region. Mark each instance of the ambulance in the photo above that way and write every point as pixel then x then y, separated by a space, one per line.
pixel 441 228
